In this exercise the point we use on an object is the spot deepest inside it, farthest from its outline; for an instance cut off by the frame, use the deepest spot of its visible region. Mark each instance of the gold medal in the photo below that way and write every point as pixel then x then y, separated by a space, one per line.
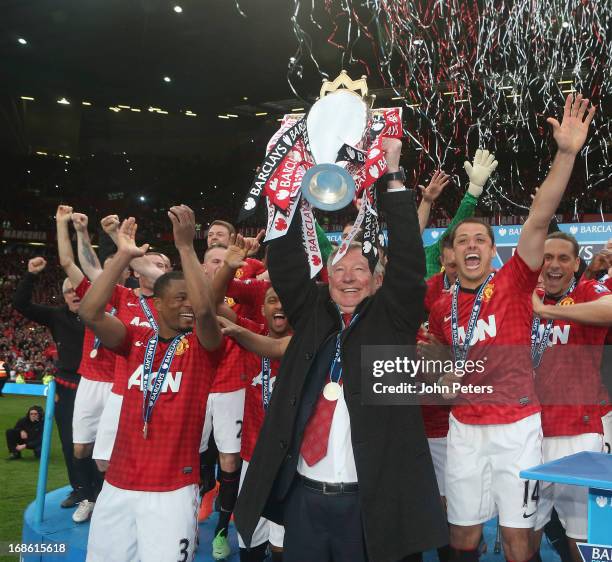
pixel 332 391
pixel 93 353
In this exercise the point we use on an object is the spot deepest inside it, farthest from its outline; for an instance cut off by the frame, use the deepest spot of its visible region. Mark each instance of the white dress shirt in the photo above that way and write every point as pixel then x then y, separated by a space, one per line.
pixel 338 465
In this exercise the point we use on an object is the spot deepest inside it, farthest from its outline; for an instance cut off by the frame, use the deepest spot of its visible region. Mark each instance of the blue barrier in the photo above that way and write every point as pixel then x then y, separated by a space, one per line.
pixel 47 390
pixel 592 470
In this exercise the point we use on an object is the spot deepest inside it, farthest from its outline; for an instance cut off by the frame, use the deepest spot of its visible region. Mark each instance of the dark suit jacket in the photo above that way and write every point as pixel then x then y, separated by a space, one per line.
pixel 399 497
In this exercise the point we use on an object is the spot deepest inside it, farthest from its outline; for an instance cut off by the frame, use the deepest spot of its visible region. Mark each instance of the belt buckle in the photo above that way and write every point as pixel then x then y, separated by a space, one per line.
pixel 332 492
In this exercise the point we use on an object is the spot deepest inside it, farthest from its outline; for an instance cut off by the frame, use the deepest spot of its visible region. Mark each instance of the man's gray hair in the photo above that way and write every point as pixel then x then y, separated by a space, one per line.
pixel 66 285
pixel 378 270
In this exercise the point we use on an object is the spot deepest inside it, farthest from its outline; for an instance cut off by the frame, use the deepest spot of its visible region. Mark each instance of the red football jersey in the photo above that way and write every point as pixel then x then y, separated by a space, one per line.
pixel 250 294
pixel 96 364
pixel 435 416
pixel 254 412
pixel 231 371
pixel 435 420
pixel 502 336
pixel 130 312
pixel 252 269
pixel 568 380
pixel 607 407
pixel 168 459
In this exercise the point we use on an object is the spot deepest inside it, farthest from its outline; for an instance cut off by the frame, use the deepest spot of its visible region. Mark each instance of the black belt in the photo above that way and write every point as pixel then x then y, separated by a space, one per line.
pixel 330 488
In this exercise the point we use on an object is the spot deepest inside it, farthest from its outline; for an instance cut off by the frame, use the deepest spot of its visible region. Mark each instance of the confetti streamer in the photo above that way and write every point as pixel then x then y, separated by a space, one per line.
pixel 473 74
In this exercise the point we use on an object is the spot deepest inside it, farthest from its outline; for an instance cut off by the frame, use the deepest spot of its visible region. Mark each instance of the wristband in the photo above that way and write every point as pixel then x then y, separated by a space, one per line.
pixel 400 175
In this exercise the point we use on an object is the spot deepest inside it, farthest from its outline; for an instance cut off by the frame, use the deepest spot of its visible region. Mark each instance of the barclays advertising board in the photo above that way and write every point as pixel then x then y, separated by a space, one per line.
pixel 592 237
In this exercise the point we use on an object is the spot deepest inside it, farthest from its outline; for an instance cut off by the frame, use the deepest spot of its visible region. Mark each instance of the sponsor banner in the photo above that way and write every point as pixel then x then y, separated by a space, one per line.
pixel 592 238
pixel 24 234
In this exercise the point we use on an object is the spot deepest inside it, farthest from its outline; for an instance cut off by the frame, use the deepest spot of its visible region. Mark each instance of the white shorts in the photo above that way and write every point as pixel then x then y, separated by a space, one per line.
pixel 607 432
pixel 91 397
pixel 129 525
pixel 482 472
pixel 569 501
pixel 224 413
pixel 107 428
pixel 266 531
pixel 437 447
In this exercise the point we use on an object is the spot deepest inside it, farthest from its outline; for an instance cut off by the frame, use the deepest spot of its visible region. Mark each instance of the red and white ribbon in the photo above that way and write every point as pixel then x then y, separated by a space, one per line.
pixel 309 238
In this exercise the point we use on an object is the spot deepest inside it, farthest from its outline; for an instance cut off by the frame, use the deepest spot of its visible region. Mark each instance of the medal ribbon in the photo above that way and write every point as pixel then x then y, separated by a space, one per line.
pixel 96 343
pixel 147 312
pixel 150 399
pixel 460 351
pixel 446 282
pixel 540 342
pixel 335 371
pixel 266 375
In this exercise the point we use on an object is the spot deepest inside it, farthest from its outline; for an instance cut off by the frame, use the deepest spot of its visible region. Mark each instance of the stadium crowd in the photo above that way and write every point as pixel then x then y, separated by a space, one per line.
pixel 252 365
pixel 26 348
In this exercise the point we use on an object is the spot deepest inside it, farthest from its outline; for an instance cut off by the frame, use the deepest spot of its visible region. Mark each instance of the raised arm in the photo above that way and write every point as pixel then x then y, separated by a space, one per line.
pixel 199 290
pixel 22 299
pixel 594 313
pixel 570 136
pixel 264 346
pixel 403 285
pixel 478 172
pixel 142 266
pixel 90 264
pixel 110 329
pixel 64 246
pixel 430 193
pixel 289 271
pixel 235 256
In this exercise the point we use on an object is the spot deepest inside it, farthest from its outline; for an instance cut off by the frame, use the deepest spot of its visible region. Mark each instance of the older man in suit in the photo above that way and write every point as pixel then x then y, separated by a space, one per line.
pixel 350 482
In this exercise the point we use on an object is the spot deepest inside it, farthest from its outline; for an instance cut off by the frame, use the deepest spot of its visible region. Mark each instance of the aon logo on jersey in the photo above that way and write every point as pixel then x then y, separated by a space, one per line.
pixel 484 329
pixel 136 322
pixel 558 335
pixel 171 384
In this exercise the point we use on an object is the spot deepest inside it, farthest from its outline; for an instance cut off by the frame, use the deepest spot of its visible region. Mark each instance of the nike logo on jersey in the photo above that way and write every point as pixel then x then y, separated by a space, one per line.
pixel 171 384
pixel 527 516
pixel 447 318
pixel 132 304
pixel 138 343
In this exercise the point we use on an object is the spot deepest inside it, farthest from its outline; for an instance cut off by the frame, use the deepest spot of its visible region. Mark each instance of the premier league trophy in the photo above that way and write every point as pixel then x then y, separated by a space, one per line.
pixel 331 156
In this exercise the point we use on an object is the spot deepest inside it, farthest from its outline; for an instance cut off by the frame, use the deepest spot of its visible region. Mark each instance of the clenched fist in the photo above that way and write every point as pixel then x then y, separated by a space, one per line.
pixel 63 213
pixel 36 265
pixel 80 221
pixel 110 224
